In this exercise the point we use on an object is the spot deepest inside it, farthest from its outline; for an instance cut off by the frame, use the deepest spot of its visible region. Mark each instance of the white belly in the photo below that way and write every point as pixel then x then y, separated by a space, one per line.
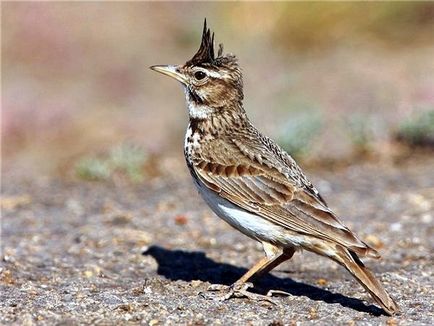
pixel 248 223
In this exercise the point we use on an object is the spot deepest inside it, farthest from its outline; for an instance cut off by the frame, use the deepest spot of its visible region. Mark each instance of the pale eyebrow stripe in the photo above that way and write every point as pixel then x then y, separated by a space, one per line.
pixel 213 74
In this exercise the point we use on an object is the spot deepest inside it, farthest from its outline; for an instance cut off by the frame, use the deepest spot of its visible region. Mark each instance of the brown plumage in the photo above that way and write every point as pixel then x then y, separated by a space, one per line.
pixel 253 184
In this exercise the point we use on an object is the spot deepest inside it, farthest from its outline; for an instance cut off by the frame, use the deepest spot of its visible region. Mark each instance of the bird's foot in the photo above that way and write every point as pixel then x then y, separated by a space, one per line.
pixel 234 291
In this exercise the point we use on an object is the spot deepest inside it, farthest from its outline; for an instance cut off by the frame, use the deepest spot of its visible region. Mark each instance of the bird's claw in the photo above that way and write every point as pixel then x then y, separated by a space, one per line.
pixel 271 293
pixel 233 291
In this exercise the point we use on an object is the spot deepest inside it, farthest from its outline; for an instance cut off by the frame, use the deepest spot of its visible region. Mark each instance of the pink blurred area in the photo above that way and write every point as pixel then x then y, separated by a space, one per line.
pixel 75 77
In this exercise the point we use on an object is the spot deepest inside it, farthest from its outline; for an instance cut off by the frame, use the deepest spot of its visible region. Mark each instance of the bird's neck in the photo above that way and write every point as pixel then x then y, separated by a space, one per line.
pixel 199 110
pixel 209 120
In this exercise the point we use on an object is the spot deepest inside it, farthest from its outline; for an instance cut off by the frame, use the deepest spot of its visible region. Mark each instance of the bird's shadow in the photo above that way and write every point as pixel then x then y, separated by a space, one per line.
pixel 189 266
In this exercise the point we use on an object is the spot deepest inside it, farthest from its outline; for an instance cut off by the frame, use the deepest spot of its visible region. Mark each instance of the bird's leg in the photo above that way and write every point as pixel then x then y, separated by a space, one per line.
pixel 274 257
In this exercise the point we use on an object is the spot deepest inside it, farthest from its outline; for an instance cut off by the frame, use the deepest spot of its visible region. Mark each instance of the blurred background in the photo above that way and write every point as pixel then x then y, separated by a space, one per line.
pixel 332 82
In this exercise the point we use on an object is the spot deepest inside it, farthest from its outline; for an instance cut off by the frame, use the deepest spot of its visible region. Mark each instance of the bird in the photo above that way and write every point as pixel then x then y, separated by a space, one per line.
pixel 252 183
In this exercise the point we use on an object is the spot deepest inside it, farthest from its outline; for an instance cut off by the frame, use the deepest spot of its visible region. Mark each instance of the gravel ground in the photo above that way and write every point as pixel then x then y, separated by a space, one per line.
pixel 78 252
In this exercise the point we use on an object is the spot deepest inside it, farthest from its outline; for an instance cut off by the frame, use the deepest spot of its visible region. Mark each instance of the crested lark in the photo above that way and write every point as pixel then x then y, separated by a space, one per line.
pixel 251 183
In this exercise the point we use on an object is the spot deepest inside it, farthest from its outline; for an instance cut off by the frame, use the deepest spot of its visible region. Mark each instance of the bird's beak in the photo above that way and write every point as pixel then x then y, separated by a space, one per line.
pixel 171 71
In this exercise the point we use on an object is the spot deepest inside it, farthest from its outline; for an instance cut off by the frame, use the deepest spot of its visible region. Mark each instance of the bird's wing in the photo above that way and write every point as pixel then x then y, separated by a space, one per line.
pixel 269 185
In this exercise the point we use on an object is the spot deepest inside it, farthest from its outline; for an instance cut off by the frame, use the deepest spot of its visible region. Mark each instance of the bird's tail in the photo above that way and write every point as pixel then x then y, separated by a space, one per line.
pixel 364 276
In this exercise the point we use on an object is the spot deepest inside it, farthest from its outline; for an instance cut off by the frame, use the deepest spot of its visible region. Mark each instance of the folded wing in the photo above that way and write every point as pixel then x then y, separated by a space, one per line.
pixel 266 188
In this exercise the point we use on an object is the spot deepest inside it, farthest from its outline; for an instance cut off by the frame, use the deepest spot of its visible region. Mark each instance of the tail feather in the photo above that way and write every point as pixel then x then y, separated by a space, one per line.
pixel 364 276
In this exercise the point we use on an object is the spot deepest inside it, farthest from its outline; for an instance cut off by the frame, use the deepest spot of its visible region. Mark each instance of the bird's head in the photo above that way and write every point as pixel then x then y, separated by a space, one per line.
pixel 212 83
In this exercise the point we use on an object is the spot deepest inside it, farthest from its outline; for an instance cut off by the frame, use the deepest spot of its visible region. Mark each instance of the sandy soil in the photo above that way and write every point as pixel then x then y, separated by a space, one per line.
pixel 76 252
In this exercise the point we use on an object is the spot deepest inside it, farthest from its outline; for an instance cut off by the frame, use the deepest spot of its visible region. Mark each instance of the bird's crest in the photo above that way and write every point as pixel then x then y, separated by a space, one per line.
pixel 205 54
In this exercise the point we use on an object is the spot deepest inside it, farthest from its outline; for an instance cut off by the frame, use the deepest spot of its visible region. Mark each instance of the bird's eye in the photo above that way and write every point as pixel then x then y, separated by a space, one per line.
pixel 199 75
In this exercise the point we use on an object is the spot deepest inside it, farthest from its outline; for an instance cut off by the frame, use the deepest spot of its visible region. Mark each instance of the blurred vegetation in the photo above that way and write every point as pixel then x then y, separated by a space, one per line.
pixel 75 77
pixel 299 132
pixel 319 25
pixel 418 130
pixel 91 168
pixel 125 159
pixel 361 132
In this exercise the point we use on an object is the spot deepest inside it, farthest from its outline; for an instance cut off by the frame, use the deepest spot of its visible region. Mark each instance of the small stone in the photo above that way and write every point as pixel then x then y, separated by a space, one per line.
pixel 14 202
pixel 426 218
pixel 125 235
pixel 74 206
pixel 276 323
pixel 239 247
pixel 321 282
pixel 68 298
pixel 374 241
pixel 88 274
pixel 196 283
pixel 111 299
pixel 181 220
pixel 419 201
pixel 125 307
pixel 153 322
pixel 147 290
pixel 121 218
pixel 137 290
pixel 313 313
pixel 6 277
pixel 395 227
pixel 391 322
pixel 27 320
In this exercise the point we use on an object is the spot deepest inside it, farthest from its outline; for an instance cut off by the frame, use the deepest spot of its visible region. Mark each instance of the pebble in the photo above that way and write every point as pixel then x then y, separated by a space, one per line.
pixel 395 227
pixel 427 218
pixel 111 299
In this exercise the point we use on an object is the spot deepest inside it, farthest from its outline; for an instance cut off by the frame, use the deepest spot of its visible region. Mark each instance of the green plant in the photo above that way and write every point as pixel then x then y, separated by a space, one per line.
pixel 93 169
pixel 129 159
pixel 418 130
pixel 125 159
pixel 361 131
pixel 299 133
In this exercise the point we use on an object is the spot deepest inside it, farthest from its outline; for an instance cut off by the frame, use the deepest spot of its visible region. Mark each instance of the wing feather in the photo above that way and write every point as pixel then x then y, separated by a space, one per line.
pixel 265 190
